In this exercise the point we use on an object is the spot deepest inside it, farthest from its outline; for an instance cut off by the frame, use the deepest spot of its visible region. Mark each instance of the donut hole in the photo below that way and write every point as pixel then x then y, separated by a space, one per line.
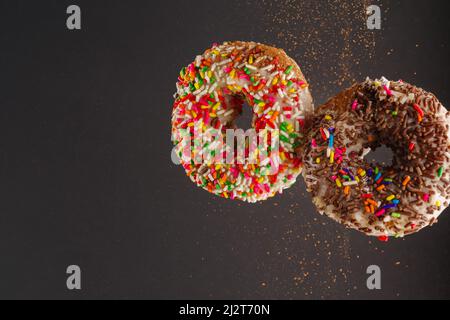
pixel 244 118
pixel 382 155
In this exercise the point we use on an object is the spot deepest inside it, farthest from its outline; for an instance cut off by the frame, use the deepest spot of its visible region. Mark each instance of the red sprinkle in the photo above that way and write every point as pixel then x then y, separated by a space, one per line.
pixel 417 108
pixel 383 238
pixel 411 147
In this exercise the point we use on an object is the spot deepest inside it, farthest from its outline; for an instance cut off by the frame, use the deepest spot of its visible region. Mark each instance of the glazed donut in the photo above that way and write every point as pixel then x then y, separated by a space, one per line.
pixel 211 92
pixel 384 201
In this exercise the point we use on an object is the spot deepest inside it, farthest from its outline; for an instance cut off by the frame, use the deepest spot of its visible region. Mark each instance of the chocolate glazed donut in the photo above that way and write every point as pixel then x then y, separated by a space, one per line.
pixel 393 200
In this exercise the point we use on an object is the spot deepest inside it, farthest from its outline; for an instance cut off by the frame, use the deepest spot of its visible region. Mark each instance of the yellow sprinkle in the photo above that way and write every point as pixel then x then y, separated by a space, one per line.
pixel 217 167
pixel 292 90
pixel 225 195
pixel 215 52
pixel 194 114
pixel 216 106
pixel 261 104
pixel 191 124
pixel 318 160
pixel 284 82
pixel 250 59
pixel 196 85
pixel 338 183
pixel 282 156
pixel 376 83
pixel 233 73
pixel 328 117
pixel 210 73
pixel 202 74
pixel 438 203
pixel 357 179
pixel 290 128
pixel 390 198
pixel 275 81
pixel 332 157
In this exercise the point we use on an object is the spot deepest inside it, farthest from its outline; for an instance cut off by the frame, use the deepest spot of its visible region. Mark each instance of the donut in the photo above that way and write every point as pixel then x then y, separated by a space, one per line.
pixel 381 200
pixel 211 94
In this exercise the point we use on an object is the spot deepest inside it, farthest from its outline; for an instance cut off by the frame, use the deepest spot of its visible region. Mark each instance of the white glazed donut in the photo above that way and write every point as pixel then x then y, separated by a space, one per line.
pixel 210 95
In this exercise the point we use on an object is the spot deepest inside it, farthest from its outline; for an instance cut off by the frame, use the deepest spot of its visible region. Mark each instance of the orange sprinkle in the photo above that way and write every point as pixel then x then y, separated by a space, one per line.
pixel 406 181
pixel 381 187
pixel 274 116
pixel 347 190
pixel 367 209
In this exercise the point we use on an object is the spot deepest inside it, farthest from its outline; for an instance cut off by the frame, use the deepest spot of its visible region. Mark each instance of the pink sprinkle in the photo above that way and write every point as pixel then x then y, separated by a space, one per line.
pixel 314 143
pixel 388 91
pixel 380 213
pixel 426 197
pixel 355 105
pixel 227 69
pixel 334 178
pixel 271 98
pixel 267 187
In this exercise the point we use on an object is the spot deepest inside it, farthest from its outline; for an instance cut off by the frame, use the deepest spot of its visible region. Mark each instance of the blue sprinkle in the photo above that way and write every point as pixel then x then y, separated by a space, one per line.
pixel 378 176
pixel 396 201
pixel 331 141
pixel 389 206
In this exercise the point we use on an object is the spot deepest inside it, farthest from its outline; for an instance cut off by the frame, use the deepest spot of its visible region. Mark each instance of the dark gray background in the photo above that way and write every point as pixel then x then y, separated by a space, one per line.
pixel 86 176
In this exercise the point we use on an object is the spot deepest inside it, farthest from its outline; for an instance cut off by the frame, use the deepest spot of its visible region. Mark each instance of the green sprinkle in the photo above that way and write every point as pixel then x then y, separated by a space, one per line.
pixel 284 139
pixel 396 215
pixel 394 113
pixel 440 172
pixel 218 186
pixel 288 69
pixel 289 83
